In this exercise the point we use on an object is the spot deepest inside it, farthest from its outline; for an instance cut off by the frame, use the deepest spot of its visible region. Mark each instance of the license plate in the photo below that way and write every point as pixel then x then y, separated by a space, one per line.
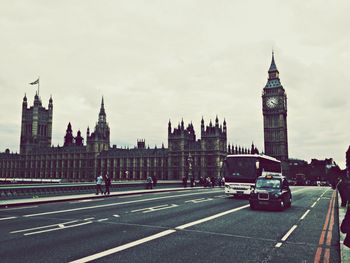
pixel 263 202
pixel 240 192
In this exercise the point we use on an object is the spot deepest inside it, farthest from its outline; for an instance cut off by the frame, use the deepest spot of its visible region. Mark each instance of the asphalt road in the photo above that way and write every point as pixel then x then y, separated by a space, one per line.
pixel 187 226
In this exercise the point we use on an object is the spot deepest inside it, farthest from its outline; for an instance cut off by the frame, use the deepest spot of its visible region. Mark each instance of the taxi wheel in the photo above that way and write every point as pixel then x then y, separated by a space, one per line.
pixel 253 206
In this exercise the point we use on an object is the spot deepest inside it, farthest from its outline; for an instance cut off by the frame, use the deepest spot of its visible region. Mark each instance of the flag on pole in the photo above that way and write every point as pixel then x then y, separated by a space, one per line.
pixel 35 82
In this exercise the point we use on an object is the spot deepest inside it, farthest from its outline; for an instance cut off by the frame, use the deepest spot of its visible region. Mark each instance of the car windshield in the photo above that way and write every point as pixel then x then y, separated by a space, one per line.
pixel 268 183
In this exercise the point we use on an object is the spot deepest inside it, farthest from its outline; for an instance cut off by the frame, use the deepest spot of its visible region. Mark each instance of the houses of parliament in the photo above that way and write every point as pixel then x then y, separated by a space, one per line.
pixel 82 160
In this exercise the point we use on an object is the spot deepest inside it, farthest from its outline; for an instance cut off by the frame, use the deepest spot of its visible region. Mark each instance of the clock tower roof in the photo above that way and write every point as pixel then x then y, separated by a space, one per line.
pixel 273 81
pixel 273 66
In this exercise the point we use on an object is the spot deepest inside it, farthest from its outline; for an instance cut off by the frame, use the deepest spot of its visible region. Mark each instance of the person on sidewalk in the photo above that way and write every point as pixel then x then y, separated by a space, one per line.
pixel 343 188
pixel 149 182
pixel 345 227
pixel 107 184
pixel 99 181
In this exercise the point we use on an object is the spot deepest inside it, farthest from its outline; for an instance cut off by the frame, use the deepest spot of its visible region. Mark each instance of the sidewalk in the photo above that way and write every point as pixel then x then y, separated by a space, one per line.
pixel 344 250
pixel 41 200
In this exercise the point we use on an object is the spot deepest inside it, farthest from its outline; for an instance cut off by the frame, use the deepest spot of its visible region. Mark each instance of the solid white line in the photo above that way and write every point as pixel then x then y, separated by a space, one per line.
pixel 18 208
pixel 86 200
pixel 41 227
pixel 211 217
pixel 313 204
pixel 156 236
pixel 123 247
pixel 7 218
pixel 128 196
pixel 288 233
pixel 305 214
pixel 54 229
pixel 278 244
pixel 113 204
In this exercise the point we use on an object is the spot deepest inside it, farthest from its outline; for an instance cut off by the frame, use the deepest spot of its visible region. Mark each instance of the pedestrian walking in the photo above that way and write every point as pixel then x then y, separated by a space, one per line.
pixel 154 179
pixel 342 188
pixel 99 181
pixel 107 184
pixel 184 181
pixel 149 182
pixel 223 181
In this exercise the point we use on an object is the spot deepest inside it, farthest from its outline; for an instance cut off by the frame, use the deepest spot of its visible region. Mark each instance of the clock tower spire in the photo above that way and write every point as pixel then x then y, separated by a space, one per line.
pixel 274 106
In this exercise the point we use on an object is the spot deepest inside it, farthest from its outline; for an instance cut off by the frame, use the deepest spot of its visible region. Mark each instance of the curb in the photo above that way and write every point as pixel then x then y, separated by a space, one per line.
pixel 43 200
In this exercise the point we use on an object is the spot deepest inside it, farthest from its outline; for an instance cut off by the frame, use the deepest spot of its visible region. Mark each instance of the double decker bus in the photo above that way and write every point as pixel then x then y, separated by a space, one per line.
pixel 240 171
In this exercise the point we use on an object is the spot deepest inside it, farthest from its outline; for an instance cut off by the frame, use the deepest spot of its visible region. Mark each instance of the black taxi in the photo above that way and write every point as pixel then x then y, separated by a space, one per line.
pixel 271 190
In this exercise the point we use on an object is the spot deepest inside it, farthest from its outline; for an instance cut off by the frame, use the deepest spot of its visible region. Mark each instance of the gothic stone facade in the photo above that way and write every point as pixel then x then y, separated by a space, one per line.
pixel 76 161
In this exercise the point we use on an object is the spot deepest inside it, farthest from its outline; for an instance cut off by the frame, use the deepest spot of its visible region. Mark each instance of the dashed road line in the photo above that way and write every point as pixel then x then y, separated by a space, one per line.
pixel 305 214
pixel 155 236
pixel 284 238
pixel 18 208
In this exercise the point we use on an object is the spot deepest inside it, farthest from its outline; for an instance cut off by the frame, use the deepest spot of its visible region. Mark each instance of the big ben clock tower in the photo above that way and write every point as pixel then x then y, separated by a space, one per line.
pixel 274 104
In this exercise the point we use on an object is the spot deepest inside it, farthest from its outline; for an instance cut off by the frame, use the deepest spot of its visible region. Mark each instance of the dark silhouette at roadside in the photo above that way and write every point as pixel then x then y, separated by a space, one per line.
pixel 343 188
pixel 345 228
pixel 184 181
pixel 154 179
pixel 107 184
pixel 149 182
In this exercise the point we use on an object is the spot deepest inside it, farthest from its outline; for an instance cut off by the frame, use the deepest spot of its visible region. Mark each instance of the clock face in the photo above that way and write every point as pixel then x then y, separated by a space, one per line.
pixel 272 102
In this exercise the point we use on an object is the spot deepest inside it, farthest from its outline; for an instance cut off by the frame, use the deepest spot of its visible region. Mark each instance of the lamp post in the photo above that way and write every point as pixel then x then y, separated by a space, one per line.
pixel 190 175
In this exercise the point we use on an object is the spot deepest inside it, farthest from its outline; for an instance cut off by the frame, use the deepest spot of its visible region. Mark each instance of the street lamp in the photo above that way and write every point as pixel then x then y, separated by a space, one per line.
pixel 190 175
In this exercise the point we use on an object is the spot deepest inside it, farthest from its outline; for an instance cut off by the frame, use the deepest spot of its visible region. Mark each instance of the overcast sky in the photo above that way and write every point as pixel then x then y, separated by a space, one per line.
pixel 159 60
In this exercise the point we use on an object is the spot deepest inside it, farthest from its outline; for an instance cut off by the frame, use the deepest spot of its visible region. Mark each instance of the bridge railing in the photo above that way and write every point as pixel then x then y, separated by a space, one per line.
pixel 16 191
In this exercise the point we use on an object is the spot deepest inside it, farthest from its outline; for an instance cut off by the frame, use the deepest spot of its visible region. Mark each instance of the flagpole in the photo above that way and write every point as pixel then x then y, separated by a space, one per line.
pixel 38 85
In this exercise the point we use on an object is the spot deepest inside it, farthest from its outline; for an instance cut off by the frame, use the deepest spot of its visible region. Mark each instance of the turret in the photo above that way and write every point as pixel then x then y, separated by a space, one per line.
pixel 169 127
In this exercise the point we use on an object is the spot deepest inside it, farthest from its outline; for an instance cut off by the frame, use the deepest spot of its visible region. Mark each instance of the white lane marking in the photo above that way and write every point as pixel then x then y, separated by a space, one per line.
pixel 221 196
pixel 18 208
pixel 123 247
pixel 114 204
pixel 41 227
pixel 318 199
pixel 86 200
pixel 199 200
pixel 211 217
pixel 278 244
pixel 7 218
pixel 54 229
pixel 116 215
pixel 296 191
pixel 103 219
pixel 60 225
pixel 154 208
pixel 305 214
pixel 313 204
pixel 149 238
pixel 89 218
pixel 126 196
pixel 284 238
